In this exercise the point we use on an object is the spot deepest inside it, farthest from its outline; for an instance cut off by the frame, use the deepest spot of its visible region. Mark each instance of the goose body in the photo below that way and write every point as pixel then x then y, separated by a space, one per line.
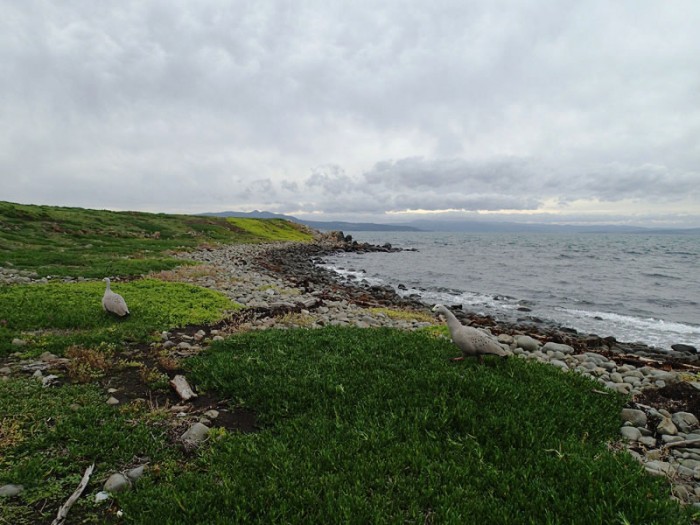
pixel 471 341
pixel 113 302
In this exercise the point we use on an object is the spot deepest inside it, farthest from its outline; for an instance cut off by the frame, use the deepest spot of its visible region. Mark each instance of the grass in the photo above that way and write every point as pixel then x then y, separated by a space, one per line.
pixel 54 316
pixel 48 437
pixel 377 426
pixel 61 241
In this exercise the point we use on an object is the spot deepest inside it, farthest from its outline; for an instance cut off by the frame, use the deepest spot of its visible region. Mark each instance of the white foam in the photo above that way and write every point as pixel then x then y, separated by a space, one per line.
pixel 654 332
pixel 353 275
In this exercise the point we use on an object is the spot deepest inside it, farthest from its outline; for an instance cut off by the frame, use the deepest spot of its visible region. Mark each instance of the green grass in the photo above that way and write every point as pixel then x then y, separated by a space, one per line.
pixel 55 315
pixel 48 437
pixel 377 426
pixel 269 230
pixel 61 241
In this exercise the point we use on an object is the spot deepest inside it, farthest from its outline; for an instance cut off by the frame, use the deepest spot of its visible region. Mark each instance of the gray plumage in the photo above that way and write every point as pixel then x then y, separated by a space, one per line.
pixel 113 302
pixel 471 341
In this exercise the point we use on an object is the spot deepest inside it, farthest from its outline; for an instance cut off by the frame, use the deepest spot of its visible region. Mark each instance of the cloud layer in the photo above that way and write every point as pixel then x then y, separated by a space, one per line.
pixel 354 111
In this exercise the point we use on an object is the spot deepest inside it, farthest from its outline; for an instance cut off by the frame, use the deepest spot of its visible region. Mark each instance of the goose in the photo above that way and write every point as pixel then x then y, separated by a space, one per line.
pixel 471 341
pixel 113 302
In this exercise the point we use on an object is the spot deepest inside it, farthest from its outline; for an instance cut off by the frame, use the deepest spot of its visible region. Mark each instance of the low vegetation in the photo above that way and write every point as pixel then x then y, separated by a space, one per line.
pixel 378 426
pixel 59 241
pixel 48 437
pixel 54 316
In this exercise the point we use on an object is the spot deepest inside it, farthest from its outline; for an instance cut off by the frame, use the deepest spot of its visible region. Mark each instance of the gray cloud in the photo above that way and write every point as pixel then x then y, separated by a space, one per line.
pixel 353 109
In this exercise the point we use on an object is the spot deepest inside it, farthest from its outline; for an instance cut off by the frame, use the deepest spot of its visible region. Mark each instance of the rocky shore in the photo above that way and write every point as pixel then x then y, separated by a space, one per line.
pixel 282 286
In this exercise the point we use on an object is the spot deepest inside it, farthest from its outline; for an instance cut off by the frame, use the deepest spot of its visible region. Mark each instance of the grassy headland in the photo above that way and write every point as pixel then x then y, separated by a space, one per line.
pixel 356 425
pixel 59 241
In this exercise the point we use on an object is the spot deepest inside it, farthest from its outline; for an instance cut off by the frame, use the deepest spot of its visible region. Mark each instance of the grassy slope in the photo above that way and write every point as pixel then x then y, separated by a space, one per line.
pixel 51 317
pixel 92 243
pixel 58 241
pixel 377 426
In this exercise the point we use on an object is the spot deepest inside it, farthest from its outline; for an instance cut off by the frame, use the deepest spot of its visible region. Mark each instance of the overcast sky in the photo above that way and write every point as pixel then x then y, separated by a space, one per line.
pixel 529 110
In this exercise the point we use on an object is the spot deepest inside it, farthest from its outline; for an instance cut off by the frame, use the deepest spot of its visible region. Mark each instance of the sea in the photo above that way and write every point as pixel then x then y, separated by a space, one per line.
pixel 636 287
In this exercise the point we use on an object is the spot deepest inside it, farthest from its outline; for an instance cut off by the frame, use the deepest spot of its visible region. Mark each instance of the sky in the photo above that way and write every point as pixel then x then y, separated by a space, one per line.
pixel 530 110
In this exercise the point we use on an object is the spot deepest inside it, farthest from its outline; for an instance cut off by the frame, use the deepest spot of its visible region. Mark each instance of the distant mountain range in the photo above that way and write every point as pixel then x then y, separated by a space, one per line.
pixel 456 225
pixel 319 225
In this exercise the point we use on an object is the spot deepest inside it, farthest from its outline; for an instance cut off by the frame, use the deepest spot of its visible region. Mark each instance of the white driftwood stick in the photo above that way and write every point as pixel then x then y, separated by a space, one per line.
pixel 179 383
pixel 682 443
pixel 63 511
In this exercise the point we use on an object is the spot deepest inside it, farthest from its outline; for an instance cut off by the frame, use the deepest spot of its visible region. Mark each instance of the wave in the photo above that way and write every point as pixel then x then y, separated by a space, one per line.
pixel 656 275
pixel 645 323
pixel 650 330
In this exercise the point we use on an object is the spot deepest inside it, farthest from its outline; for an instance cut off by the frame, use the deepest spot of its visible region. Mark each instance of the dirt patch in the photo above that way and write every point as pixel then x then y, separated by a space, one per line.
pixel 678 397
pixel 129 385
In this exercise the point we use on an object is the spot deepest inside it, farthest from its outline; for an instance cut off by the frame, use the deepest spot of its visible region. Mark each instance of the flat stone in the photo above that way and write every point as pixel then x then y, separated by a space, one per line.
pixel 637 417
pixel 196 433
pixel 112 401
pixel 685 421
pixel 559 364
pixel 527 343
pixel 18 342
pixel 666 427
pixel 558 347
pixel 506 339
pixel 659 468
pixel 623 388
pixel 135 473
pixel 117 482
pixel 616 377
pixel 666 438
pixel 631 433
pixel 647 441
pixel 10 490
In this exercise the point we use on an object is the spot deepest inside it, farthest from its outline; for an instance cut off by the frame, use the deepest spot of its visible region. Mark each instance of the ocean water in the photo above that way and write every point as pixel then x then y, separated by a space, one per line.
pixel 635 287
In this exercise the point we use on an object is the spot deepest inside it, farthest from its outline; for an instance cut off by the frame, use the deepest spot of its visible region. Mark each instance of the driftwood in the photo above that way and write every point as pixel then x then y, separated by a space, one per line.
pixel 63 511
pixel 638 361
pixel 683 443
pixel 179 383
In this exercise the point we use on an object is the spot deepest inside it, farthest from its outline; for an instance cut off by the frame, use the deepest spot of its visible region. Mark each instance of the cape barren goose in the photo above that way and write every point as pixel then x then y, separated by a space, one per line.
pixel 113 302
pixel 470 341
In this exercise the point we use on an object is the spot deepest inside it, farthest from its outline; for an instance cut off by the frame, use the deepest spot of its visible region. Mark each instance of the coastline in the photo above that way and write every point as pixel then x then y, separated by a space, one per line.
pixel 297 263
pixel 282 286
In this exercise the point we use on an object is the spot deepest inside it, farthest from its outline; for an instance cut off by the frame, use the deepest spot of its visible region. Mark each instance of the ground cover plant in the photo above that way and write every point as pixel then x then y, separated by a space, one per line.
pixel 378 426
pixel 53 316
pixel 61 241
pixel 48 437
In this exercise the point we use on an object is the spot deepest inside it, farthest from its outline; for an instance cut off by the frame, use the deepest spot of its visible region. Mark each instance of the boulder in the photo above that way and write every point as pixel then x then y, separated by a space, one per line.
pixel 687 349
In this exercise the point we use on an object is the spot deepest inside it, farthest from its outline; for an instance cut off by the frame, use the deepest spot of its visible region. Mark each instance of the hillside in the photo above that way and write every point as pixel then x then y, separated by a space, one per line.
pixel 62 241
